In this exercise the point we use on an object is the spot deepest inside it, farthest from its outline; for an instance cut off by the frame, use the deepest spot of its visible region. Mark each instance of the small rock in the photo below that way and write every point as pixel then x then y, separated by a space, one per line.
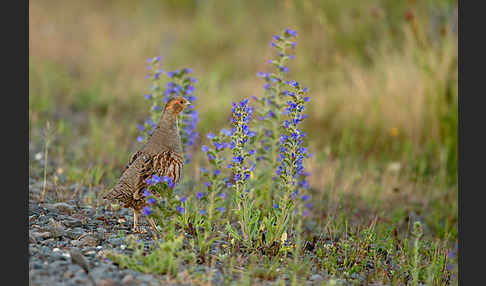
pixel 32 238
pixel 115 241
pixel 146 278
pixel 73 223
pixel 75 233
pixel 90 253
pixel 127 279
pixel 54 207
pixel 78 258
pixel 68 274
pixel 55 228
pixel 88 240
pixel 100 233
pixel 106 282
pixel 316 278
pixel 58 264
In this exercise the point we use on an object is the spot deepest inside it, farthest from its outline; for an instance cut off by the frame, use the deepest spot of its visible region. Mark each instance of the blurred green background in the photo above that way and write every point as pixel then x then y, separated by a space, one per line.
pixel 382 77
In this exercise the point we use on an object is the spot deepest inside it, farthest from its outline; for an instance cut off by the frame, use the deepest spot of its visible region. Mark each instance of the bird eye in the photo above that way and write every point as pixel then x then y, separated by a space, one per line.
pixel 181 102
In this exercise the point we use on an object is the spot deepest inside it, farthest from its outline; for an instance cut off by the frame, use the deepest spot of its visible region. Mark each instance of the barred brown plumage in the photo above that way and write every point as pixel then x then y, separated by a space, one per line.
pixel 161 155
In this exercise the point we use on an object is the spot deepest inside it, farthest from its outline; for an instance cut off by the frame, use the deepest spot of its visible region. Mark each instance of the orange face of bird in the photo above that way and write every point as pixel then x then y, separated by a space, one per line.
pixel 176 105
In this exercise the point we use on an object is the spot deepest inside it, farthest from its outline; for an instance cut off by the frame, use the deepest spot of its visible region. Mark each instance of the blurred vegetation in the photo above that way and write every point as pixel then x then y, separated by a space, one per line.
pixel 383 78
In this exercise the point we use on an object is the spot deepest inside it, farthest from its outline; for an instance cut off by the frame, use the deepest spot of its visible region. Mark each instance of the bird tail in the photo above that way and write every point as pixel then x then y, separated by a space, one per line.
pixel 109 195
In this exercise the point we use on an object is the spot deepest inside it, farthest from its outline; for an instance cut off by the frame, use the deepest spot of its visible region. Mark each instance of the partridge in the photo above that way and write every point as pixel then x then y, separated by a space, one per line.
pixel 161 155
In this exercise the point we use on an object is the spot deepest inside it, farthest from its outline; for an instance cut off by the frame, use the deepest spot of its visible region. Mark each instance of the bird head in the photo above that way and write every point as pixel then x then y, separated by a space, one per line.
pixel 176 104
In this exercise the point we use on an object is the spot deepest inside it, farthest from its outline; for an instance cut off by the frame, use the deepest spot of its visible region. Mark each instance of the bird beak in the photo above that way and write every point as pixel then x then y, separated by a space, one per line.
pixel 188 103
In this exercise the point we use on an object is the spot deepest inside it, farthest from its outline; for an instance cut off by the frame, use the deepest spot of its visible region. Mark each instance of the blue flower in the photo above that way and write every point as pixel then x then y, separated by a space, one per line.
pixel 151 201
pixel 208 184
pixel 146 193
pixel 200 195
pixel 205 148
pixel 216 172
pixel 147 210
pixel 180 209
pixel 237 177
pixel 247 176
pixel 226 132
pixel 140 138
pixel 147 96
pixel 169 181
pixel 189 89
pixel 290 32
pixel 183 199
pixel 275 205
pixel 221 209
pixel 305 197
pixel 202 212
pixel 156 179
pixel 238 159
pixel 210 135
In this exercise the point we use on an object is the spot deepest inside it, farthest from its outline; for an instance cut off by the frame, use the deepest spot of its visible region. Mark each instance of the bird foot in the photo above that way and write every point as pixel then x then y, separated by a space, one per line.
pixel 139 230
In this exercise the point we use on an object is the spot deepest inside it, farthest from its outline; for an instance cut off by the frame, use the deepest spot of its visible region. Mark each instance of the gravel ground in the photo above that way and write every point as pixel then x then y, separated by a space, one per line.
pixel 68 241
pixel 59 230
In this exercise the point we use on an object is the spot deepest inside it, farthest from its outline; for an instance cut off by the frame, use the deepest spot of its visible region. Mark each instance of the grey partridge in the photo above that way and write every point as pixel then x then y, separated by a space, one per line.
pixel 161 155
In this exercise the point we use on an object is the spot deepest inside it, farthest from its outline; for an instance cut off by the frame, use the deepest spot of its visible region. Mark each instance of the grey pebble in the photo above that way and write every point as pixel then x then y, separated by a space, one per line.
pixel 73 222
pixel 128 279
pixel 75 233
pixel 316 278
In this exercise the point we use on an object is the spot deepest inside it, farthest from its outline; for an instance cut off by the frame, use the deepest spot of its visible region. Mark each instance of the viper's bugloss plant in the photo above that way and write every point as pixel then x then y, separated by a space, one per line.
pixel 292 153
pixel 241 169
pixel 281 139
pixel 270 111
pixel 214 194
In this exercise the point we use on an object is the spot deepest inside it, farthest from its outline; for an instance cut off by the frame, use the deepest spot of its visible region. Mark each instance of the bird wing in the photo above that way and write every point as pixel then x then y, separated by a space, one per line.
pixel 145 170
pixel 132 159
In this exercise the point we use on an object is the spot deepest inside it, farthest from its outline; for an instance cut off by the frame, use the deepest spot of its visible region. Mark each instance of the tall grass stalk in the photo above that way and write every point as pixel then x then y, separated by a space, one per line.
pixel 47 140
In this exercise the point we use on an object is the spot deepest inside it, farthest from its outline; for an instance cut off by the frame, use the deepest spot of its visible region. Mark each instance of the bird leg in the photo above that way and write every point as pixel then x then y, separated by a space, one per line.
pixel 135 221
